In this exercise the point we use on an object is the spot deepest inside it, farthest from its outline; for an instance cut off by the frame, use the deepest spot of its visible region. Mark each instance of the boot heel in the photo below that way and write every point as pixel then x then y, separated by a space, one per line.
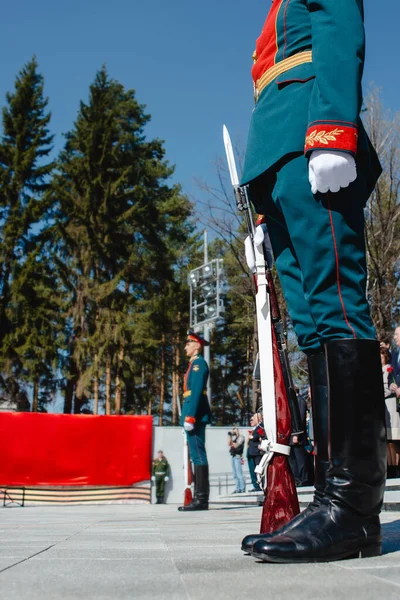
pixel 372 550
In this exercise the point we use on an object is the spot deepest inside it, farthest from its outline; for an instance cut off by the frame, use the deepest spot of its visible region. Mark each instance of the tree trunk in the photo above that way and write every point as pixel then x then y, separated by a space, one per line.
pixel 175 380
pixel 108 385
pixel 96 390
pixel 69 394
pixel 242 405
pixel 174 387
pixel 96 362
pixel 79 400
pixel 222 420
pixel 35 396
pixel 162 383
pixel 118 382
pixel 150 401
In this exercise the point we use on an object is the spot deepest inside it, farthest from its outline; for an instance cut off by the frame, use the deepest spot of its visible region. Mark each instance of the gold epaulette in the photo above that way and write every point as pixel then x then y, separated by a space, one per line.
pixel 189 393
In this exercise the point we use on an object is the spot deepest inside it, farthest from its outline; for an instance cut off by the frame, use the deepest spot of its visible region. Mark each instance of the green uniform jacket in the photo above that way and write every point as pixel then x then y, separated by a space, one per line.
pixel 160 467
pixel 314 105
pixel 195 401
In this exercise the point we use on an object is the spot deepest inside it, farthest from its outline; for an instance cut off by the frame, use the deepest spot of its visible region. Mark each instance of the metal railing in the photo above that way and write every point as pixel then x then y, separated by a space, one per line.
pixel 225 482
pixel 8 500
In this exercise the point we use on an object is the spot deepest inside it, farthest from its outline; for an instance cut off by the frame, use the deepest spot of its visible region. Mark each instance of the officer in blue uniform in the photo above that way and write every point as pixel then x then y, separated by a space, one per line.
pixel 311 168
pixel 196 414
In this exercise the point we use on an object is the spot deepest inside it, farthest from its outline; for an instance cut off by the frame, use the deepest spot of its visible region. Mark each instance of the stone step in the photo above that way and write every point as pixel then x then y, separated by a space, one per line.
pixel 42 496
pixel 391 499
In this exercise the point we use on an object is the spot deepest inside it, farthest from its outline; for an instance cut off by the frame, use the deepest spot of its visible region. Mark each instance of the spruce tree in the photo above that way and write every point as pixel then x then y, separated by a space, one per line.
pixel 25 168
pixel 37 332
pixel 118 224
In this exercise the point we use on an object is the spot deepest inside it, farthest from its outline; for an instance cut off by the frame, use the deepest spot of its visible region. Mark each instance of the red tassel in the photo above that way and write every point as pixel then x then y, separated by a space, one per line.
pixel 188 497
pixel 280 503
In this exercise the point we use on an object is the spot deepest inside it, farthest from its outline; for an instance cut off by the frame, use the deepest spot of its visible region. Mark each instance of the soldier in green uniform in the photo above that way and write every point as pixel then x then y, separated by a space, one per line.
pixel 196 414
pixel 160 475
pixel 311 168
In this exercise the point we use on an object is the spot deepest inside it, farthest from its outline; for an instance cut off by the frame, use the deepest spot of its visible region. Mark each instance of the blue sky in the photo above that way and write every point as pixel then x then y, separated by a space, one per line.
pixel 188 62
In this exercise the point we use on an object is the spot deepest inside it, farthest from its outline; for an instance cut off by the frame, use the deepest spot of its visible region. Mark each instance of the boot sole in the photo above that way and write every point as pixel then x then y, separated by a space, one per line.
pixel 191 509
pixel 367 552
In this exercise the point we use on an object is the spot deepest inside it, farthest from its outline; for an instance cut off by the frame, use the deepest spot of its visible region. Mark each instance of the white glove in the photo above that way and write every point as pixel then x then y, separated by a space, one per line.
pixel 188 426
pixel 153 478
pixel 259 235
pixel 249 252
pixel 166 478
pixel 330 170
pixel 262 241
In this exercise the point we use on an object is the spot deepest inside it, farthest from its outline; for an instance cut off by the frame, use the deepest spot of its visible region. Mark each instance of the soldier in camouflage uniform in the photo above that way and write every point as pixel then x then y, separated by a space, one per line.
pixel 160 474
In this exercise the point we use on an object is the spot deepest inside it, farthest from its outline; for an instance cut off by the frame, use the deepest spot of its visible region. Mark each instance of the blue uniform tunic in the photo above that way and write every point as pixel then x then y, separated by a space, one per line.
pixel 307 76
pixel 196 407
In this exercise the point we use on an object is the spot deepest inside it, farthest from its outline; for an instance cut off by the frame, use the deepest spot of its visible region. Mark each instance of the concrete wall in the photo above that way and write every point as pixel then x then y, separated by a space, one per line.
pixel 170 441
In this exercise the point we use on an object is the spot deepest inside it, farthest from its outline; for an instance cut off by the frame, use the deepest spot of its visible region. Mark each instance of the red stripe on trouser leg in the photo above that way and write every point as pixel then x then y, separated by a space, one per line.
pixel 338 272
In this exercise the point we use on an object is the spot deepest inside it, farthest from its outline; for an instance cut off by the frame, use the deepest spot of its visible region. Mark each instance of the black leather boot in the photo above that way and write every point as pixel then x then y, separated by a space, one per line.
pixel 346 524
pixel 202 490
pixel 319 399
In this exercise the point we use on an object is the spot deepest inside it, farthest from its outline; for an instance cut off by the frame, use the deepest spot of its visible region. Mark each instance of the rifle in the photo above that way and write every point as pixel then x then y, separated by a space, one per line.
pixel 280 405
pixel 297 427
pixel 187 470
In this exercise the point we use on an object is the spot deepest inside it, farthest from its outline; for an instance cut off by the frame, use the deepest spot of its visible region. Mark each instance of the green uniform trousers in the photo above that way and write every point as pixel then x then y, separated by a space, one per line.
pixel 319 248
pixel 160 486
pixel 196 440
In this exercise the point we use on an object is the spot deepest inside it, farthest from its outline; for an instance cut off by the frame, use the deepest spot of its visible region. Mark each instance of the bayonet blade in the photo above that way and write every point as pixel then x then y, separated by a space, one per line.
pixel 230 157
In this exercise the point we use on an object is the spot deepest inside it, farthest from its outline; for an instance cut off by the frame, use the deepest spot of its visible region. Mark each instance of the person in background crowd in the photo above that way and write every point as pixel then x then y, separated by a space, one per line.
pixel 298 457
pixel 196 413
pixel 395 362
pixel 254 454
pixel 392 417
pixel 236 447
pixel 309 443
pixel 386 344
pixel 160 475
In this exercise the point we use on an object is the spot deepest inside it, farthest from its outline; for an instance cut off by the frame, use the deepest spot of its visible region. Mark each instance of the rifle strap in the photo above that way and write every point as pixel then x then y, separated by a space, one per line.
pixel 270 448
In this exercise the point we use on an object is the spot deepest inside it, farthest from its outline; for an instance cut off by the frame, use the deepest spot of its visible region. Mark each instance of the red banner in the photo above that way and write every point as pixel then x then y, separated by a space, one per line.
pixel 46 449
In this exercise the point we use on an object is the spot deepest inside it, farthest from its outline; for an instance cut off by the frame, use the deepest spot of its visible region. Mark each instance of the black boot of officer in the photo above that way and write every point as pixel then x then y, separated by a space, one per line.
pixel 319 401
pixel 202 490
pixel 346 524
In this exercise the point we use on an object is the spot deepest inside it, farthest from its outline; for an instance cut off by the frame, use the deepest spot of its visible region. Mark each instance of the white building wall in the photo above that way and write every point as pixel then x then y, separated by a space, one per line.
pixel 170 441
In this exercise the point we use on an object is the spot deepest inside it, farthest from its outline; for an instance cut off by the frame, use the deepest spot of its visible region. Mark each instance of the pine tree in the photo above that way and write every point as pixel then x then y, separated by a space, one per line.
pixel 24 178
pixel 37 331
pixel 118 227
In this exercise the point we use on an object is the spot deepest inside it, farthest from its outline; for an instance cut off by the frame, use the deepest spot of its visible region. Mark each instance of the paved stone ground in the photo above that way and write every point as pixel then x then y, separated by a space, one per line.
pixel 152 551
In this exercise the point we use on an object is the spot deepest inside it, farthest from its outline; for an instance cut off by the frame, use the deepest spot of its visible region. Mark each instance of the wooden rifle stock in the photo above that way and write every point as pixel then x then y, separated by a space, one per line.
pixel 187 469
